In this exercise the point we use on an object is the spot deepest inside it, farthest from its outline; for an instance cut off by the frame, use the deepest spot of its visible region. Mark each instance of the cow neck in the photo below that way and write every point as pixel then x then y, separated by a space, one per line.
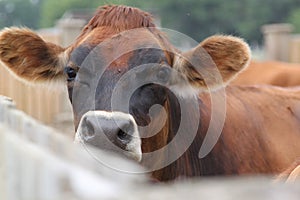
pixel 189 164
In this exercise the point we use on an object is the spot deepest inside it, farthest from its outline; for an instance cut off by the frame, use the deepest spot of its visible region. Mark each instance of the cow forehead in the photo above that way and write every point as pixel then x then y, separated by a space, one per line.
pixel 128 48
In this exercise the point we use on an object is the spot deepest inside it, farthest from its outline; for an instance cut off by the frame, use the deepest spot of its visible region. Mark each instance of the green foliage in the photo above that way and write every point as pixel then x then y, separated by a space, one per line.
pixel 54 9
pixel 52 12
pixel 202 18
pixel 294 19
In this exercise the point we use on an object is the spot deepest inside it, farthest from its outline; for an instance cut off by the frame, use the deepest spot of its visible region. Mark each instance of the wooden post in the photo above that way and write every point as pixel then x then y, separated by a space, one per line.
pixel 295 48
pixel 70 29
pixel 277 41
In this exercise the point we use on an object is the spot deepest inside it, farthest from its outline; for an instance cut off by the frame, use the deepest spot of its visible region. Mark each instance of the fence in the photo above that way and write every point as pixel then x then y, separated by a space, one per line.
pixel 37 163
pixel 41 103
pixel 280 44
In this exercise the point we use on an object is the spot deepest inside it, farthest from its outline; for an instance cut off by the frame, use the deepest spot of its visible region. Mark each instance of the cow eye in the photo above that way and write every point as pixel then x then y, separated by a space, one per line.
pixel 71 73
pixel 164 74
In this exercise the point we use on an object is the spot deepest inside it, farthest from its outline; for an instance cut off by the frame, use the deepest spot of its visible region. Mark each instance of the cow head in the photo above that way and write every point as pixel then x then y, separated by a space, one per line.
pixel 117 70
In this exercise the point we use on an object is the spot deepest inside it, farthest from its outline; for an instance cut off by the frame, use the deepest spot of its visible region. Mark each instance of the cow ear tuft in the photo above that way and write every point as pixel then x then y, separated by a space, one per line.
pixel 214 62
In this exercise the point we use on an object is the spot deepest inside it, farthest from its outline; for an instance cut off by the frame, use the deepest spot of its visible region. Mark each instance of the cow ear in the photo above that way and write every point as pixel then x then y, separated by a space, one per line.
pixel 214 62
pixel 29 57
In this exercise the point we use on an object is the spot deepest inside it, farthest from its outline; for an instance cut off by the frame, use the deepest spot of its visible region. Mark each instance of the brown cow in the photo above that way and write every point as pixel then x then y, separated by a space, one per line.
pixel 261 133
pixel 270 73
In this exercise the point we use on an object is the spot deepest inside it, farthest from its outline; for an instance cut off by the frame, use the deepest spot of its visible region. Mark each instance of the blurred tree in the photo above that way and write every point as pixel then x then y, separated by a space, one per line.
pixel 201 18
pixel 196 18
pixel 294 18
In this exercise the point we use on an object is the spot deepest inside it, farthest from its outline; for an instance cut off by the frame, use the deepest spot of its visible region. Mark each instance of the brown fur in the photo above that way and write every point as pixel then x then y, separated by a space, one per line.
pixel 229 55
pixel 28 56
pixel 255 138
pixel 270 73
pixel 111 20
pixel 118 18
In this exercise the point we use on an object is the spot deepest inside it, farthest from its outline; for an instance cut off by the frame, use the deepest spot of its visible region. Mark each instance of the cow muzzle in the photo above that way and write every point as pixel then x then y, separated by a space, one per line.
pixel 112 131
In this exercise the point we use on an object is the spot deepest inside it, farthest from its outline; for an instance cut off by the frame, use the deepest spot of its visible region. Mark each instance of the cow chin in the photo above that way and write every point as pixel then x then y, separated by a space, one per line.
pixel 111 131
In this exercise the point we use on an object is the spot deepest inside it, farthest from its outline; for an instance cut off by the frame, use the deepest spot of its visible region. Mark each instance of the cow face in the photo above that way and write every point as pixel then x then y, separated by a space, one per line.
pixel 111 73
pixel 118 70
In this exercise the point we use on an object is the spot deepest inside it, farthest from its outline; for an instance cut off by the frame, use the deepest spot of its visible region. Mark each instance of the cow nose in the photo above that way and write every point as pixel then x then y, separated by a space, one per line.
pixel 114 131
pixel 117 130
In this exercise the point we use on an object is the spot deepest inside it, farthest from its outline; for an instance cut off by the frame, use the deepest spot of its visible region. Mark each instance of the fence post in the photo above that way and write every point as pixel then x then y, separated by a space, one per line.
pixel 70 29
pixel 277 41
pixel 295 48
